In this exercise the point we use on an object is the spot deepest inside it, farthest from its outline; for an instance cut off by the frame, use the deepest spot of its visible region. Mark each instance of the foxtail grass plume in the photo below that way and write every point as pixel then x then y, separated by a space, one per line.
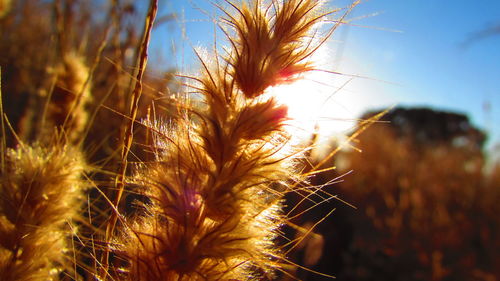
pixel 66 107
pixel 273 43
pixel 5 6
pixel 41 193
pixel 216 186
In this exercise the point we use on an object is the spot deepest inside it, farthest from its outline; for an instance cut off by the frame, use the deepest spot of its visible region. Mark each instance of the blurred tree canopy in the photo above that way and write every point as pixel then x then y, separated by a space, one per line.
pixel 427 127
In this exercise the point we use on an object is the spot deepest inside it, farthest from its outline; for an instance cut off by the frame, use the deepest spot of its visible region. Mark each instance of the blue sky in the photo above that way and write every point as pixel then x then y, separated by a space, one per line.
pixel 413 52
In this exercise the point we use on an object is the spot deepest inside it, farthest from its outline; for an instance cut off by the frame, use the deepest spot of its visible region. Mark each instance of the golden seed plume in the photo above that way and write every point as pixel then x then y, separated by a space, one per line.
pixel 216 186
pixel 4 7
pixel 41 190
pixel 273 42
pixel 66 107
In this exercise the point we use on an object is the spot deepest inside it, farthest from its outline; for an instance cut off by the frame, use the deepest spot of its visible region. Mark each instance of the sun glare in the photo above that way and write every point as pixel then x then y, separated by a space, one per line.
pixel 315 104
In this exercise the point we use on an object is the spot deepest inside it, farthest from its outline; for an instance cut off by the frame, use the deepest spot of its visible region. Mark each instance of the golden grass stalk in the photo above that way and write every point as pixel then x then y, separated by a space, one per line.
pixel 220 173
pixel 129 130
pixel 41 190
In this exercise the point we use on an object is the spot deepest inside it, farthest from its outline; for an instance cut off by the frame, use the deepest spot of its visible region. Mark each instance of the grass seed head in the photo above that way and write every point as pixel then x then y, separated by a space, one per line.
pixel 215 186
pixel 41 190
pixel 4 7
pixel 70 96
pixel 273 42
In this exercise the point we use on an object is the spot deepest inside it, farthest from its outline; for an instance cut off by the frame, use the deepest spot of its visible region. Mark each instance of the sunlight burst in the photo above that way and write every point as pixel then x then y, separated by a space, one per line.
pixel 315 103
